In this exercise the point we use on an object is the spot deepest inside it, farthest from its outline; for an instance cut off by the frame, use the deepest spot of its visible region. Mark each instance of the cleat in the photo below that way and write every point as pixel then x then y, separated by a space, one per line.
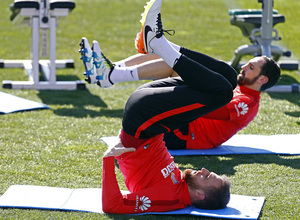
pixel 103 67
pixel 151 26
pixel 87 58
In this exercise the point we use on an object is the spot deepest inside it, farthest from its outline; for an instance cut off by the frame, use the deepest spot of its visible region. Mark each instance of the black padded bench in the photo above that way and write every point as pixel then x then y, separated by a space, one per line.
pixel 70 4
pixel 247 20
pixel 35 4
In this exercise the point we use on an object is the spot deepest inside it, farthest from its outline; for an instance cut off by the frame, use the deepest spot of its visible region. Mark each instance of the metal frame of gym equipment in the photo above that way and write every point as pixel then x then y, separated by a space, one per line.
pixel 41 15
pixel 258 26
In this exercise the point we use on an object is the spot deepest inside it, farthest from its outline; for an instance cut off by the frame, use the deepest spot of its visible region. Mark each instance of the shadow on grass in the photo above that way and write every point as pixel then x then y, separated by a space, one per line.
pixel 229 162
pixel 81 103
pixel 287 80
pixel 290 97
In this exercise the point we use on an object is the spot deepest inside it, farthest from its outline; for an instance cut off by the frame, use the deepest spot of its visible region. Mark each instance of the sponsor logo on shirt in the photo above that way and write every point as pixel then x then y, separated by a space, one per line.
pixel 241 109
pixel 173 178
pixel 168 169
pixel 145 203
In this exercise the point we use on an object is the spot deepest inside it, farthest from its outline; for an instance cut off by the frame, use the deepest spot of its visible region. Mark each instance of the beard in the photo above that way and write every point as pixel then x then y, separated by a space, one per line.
pixel 243 81
pixel 188 177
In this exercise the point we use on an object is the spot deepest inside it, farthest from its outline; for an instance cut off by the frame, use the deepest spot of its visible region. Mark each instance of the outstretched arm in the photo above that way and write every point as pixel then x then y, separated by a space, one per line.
pixel 112 198
pixel 111 194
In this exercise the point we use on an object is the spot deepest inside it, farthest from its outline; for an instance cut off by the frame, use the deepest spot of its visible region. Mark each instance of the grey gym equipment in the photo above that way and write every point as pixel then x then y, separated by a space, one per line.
pixel 42 16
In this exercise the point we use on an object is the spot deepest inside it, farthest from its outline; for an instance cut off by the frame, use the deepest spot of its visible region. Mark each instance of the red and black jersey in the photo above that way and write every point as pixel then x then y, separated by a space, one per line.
pixel 153 179
pixel 215 128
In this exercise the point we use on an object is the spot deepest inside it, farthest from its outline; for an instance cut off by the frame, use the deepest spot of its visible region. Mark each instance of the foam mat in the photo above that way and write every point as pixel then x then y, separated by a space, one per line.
pixel 90 200
pixel 10 103
pixel 285 144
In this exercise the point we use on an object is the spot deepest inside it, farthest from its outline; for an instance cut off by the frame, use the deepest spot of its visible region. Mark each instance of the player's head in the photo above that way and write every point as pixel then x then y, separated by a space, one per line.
pixel 259 73
pixel 270 69
pixel 207 189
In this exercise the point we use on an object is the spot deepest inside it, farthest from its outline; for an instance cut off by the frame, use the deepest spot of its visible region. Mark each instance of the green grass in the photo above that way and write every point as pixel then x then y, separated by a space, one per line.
pixel 61 147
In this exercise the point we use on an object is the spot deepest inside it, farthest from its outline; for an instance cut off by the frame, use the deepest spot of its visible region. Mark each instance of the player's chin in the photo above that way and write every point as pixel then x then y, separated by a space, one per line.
pixel 187 173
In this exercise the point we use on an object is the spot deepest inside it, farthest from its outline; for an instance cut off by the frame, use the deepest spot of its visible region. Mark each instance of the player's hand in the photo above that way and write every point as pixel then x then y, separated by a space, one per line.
pixel 118 150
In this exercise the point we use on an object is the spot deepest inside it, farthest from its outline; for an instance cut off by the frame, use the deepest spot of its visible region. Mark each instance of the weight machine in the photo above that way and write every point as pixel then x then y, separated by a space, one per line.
pixel 258 25
pixel 42 16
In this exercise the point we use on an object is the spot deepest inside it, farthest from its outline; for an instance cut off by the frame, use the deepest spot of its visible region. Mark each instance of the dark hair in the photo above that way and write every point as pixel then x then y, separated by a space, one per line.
pixel 271 70
pixel 215 198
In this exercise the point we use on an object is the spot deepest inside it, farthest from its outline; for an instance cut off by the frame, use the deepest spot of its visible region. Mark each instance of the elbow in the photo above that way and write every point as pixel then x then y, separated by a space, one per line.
pixel 108 209
pixel 111 207
pixel 105 209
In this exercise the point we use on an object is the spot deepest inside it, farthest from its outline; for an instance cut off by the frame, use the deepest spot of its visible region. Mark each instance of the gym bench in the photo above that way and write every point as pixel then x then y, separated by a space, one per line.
pixel 42 16
pixel 257 25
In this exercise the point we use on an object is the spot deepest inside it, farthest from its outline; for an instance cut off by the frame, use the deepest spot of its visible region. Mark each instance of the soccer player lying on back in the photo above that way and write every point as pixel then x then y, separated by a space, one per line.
pixel 209 130
pixel 154 181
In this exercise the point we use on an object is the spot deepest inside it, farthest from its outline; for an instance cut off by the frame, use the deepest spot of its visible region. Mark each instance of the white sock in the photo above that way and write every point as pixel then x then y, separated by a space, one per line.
pixel 124 74
pixel 120 63
pixel 164 49
pixel 175 46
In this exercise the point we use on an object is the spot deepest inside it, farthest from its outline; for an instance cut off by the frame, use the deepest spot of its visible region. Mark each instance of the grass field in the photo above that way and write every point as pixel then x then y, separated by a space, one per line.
pixel 61 147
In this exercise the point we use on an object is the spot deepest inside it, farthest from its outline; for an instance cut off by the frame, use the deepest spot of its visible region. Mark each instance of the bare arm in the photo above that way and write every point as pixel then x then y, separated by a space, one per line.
pixel 117 150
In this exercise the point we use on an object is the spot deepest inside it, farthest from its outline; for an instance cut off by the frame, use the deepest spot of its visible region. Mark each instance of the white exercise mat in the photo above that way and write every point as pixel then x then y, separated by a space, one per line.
pixel 285 144
pixel 90 200
pixel 10 103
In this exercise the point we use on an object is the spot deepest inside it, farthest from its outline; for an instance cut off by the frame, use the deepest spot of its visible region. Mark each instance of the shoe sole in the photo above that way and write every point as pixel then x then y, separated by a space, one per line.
pixel 97 52
pixel 85 50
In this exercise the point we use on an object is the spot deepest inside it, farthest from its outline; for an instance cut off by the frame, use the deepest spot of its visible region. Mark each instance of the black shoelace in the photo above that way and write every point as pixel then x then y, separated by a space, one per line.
pixel 160 31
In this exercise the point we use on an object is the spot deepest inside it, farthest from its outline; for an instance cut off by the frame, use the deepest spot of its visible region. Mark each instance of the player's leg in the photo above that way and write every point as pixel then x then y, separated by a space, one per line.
pixel 160 106
pixel 213 64
pixel 136 59
pixel 100 70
